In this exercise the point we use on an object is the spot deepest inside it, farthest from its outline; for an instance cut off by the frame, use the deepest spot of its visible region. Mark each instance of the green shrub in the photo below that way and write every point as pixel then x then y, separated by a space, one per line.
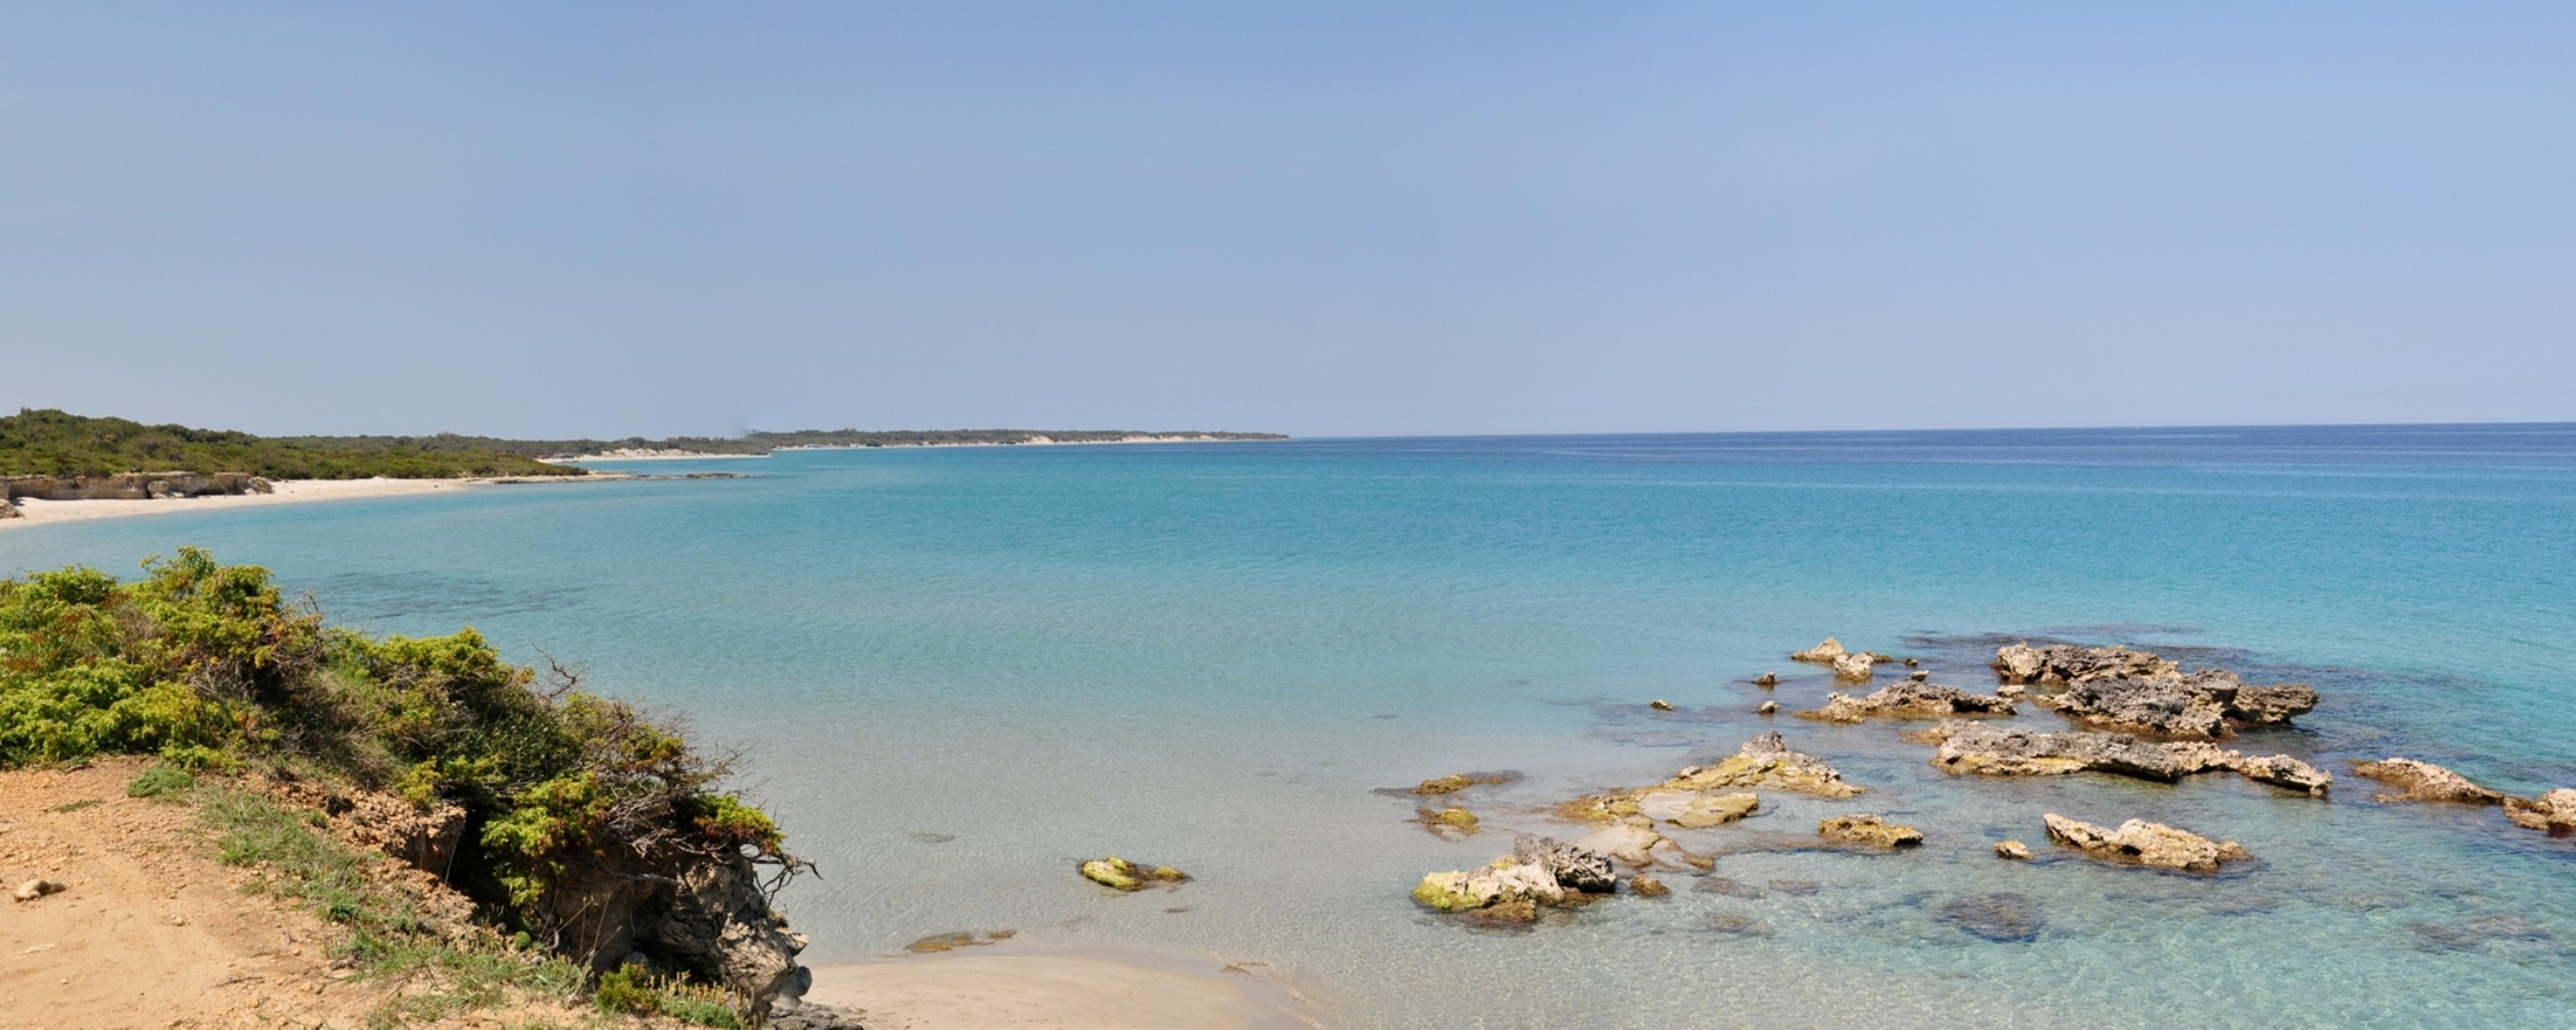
pixel 161 781
pixel 210 667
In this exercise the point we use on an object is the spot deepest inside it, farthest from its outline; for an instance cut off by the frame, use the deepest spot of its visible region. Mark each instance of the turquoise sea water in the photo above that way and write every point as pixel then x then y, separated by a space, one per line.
pixel 960 670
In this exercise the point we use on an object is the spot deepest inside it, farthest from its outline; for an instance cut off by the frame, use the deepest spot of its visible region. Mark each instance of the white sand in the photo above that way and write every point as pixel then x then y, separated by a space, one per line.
pixel 1009 987
pixel 290 491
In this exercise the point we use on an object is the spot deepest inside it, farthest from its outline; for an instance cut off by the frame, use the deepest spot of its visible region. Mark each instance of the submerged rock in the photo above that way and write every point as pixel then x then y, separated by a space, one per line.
pixel 1909 700
pixel 1647 887
pixel 1447 823
pixel 2140 842
pixel 1868 831
pixel 1823 654
pixel 2554 812
pixel 1120 874
pixel 2424 781
pixel 1455 782
pixel 1692 810
pixel 1995 917
pixel 1968 747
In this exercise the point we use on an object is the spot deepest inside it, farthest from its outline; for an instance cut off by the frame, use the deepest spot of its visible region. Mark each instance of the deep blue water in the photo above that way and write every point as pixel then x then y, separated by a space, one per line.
pixel 1209 654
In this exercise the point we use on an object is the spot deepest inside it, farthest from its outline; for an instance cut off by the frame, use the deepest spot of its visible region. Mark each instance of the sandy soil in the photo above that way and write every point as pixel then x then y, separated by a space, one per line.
pixel 291 491
pixel 1013 986
pixel 151 932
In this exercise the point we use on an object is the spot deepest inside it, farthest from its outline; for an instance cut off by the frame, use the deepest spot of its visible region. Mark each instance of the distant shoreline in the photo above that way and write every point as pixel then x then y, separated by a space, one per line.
pixel 33 512
pixel 674 454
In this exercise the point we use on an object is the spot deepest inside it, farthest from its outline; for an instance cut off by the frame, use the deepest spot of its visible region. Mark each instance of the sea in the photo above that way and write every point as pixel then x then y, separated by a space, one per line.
pixel 954 673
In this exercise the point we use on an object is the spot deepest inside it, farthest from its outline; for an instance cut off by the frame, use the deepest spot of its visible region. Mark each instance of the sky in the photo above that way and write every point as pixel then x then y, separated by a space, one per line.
pixel 1379 218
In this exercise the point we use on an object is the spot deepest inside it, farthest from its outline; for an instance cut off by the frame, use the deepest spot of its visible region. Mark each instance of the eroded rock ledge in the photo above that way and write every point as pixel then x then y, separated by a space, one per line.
pixel 2137 690
pixel 131 486
pixel 1910 699
pixel 1968 747
pixel 2139 842
pixel 1707 795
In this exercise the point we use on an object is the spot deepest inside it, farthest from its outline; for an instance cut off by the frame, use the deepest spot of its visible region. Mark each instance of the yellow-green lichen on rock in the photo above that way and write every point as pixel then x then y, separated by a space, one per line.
pixel 1120 874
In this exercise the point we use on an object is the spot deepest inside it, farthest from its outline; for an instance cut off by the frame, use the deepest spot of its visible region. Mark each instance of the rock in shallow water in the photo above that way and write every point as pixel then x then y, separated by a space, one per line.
pixel 1909 700
pixel 1692 810
pixel 2012 849
pixel 1868 831
pixel 1823 653
pixel 1120 874
pixel 1995 917
pixel 2554 812
pixel 1765 762
pixel 1572 866
pixel 2424 781
pixel 2139 842
pixel 2136 690
pixel 1976 748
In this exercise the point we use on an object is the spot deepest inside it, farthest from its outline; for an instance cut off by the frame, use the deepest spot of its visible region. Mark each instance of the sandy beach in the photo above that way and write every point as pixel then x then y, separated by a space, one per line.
pixel 292 491
pixel 1021 985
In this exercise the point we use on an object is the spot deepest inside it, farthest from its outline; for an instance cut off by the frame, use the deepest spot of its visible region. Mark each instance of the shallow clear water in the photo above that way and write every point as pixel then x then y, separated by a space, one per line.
pixel 961 670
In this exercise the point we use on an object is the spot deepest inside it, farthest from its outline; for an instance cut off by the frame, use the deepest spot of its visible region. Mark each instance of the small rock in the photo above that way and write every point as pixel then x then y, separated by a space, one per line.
pixel 1768 679
pixel 2011 690
pixel 37 888
pixel 1823 653
pixel 1459 818
pixel 1854 666
pixel 1120 874
pixel 1912 699
pixel 1767 708
pixel 1918 675
pixel 2144 843
pixel 1647 887
pixel 2012 849
pixel 1739 925
pixel 1868 831
pixel 1660 705
pixel 2424 781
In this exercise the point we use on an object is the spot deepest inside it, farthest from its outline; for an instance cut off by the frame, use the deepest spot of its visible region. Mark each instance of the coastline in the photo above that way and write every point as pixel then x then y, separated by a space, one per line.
pixel 33 512
pixel 1024 985
pixel 1034 442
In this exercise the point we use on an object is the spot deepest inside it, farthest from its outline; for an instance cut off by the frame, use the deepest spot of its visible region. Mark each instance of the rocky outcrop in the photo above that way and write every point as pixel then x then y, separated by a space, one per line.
pixel 1763 763
pixel 2072 663
pixel 2198 704
pixel 703 915
pixel 1821 654
pixel 2554 812
pixel 2139 842
pixel 2424 781
pixel 1908 700
pixel 1120 874
pixel 2138 691
pixel 1572 866
pixel 132 486
pixel 1868 831
pixel 1512 888
pixel 1968 747
pixel 1854 666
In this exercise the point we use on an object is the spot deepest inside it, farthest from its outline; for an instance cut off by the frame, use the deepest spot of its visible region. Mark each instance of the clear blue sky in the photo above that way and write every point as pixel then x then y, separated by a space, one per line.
pixel 1320 218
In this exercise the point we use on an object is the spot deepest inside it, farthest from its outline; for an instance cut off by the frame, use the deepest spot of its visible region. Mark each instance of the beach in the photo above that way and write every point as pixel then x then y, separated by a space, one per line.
pixel 33 512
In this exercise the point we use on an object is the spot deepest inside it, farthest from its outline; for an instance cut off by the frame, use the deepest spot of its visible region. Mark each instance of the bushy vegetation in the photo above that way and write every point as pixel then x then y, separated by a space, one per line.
pixel 754 442
pixel 211 668
pixel 53 443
